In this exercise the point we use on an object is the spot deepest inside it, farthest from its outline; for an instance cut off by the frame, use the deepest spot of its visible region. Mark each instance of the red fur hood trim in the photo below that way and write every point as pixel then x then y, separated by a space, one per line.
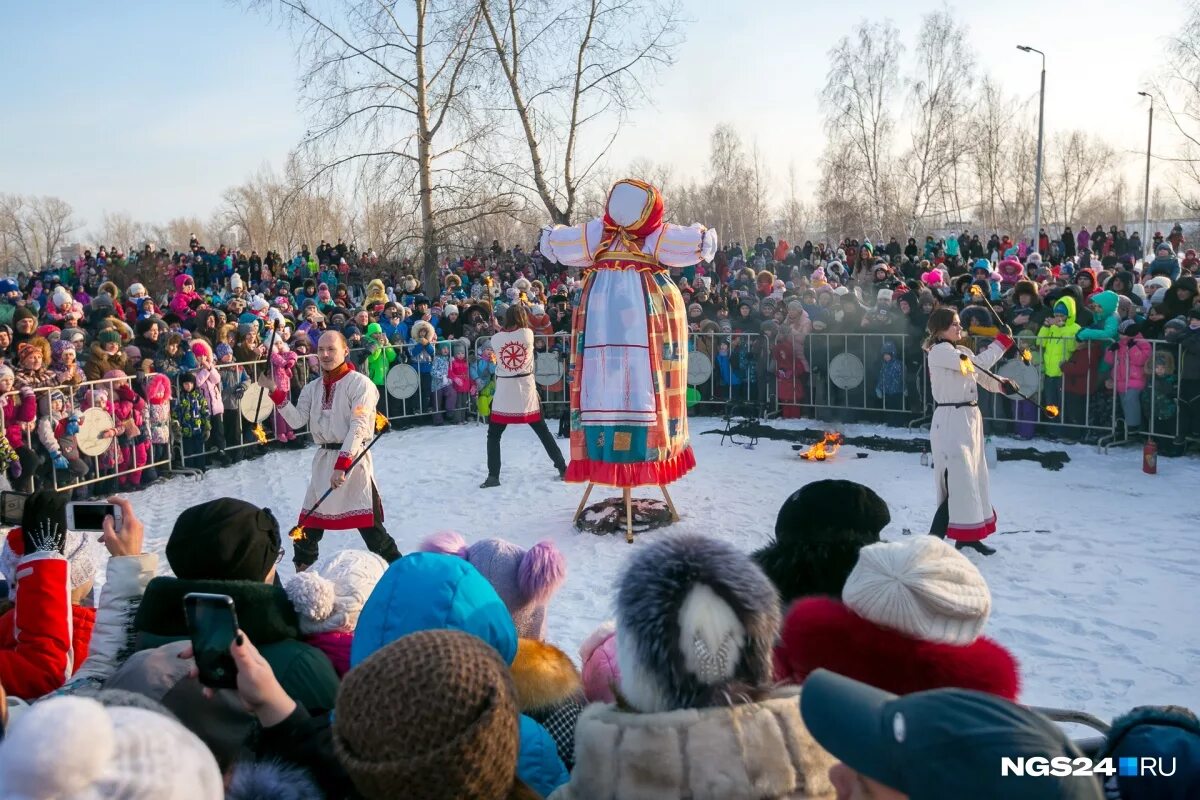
pixel 822 633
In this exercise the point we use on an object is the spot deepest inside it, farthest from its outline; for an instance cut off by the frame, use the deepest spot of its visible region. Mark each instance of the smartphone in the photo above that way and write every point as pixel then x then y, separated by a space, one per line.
pixel 89 516
pixel 212 623
pixel 12 507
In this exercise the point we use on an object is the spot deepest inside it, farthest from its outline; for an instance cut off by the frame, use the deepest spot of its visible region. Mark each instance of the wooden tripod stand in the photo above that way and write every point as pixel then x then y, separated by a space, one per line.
pixel 626 495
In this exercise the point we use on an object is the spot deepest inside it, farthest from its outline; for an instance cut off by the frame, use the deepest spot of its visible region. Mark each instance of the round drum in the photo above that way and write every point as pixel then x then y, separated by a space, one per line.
pixel 253 410
pixel 547 369
pixel 93 424
pixel 402 382
pixel 1027 376
pixel 846 370
pixel 699 368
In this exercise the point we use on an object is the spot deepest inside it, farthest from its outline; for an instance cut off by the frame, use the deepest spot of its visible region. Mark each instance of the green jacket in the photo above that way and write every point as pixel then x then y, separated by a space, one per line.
pixel 1058 343
pixel 264 613
pixel 381 356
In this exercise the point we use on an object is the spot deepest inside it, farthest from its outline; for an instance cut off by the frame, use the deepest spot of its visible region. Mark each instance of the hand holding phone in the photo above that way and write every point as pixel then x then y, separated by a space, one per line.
pixel 212 623
pixel 89 516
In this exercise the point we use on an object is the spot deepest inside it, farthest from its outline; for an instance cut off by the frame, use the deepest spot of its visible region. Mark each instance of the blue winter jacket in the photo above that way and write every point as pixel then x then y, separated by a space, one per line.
pixel 428 591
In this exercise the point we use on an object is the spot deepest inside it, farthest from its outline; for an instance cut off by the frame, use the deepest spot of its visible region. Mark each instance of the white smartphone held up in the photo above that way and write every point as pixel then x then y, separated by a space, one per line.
pixel 89 516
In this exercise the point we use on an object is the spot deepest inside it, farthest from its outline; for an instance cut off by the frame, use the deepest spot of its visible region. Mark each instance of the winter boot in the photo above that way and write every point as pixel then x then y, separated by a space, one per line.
pixel 978 547
pixel 492 480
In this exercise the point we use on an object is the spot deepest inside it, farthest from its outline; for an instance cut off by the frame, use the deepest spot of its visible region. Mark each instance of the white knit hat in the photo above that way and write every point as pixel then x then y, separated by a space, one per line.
pixel 77 549
pixel 235 281
pixel 74 748
pixel 449 309
pixel 923 588
pixel 330 597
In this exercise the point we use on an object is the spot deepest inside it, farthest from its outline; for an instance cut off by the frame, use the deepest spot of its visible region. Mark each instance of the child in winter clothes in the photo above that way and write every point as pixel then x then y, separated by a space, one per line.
pixel 1105 325
pixel 233 386
pixel 64 364
pixel 191 415
pixel 889 387
pixel 421 353
pixel 19 414
pixel 460 378
pixel 380 357
pixel 175 357
pixel 445 398
pixel 133 443
pixel 158 411
pixel 1128 358
pixel 1160 405
pixel 1056 341
pixel 329 598
pixel 208 381
pixel 56 431
pixel 283 360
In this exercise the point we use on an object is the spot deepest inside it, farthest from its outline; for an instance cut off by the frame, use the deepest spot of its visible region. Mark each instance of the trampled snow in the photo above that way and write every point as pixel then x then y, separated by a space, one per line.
pixel 1101 609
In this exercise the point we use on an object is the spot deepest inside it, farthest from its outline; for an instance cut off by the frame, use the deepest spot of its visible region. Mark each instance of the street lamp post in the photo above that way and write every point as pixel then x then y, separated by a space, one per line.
pixel 1037 181
pixel 1146 196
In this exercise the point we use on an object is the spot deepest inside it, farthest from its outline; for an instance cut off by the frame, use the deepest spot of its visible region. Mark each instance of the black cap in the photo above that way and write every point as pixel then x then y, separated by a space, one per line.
pixel 938 744
pixel 224 539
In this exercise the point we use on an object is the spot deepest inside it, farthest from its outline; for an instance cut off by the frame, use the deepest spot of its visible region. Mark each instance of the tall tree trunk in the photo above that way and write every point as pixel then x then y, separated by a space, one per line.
pixel 429 244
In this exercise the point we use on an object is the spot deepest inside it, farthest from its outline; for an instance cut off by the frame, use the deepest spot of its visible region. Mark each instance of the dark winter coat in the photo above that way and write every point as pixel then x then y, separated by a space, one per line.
pixel 264 613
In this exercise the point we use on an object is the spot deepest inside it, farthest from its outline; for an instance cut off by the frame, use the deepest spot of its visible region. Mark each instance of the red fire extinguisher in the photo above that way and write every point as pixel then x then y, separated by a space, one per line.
pixel 1150 458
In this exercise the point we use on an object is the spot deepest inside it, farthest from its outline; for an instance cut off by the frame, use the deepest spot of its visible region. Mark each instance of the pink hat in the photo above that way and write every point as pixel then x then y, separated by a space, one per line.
pixel 598 654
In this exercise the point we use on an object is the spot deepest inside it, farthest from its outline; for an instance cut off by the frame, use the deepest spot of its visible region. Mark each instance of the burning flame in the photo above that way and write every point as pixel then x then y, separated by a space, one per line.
pixel 1051 411
pixel 975 291
pixel 381 423
pixel 964 364
pixel 296 534
pixel 260 434
pixel 824 448
pixel 1026 356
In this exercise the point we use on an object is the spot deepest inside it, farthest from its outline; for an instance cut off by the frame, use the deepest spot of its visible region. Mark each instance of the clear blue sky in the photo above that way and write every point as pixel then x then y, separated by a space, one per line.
pixel 155 108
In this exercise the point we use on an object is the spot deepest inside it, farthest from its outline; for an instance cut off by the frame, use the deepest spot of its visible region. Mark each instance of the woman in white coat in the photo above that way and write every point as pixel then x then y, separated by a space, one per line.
pixel 965 512
pixel 516 400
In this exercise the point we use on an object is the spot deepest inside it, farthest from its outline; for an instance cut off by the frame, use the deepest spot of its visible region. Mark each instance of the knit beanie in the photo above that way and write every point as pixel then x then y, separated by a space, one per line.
pixel 922 587
pixel 109 336
pixel 223 350
pixel 524 579
pixel 434 712
pixel 76 748
pixel 224 539
pixel 696 620
pixel 329 597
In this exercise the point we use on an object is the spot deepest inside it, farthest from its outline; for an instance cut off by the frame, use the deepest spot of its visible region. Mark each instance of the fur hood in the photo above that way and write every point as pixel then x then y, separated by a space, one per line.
pixel 545 676
pixel 270 780
pixel 746 752
pixel 822 633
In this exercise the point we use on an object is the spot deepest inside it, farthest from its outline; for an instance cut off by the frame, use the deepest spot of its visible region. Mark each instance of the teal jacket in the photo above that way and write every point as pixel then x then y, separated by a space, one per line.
pixel 1104 327
pixel 428 591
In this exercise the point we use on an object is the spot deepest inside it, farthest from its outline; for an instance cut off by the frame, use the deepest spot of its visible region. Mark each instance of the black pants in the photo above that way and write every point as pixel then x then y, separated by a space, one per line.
pixel 376 537
pixel 496 430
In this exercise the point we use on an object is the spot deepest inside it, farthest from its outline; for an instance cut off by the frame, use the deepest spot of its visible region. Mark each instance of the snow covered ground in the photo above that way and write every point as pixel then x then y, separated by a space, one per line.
pixel 1102 610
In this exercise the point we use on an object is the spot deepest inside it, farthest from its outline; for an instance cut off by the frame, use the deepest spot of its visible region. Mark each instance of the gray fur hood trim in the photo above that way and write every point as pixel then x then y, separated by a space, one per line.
pixel 271 780
pixel 747 752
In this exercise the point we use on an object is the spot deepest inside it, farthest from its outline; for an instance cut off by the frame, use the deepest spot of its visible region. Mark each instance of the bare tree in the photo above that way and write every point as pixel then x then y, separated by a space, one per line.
pixel 941 94
pixel 858 89
pixel 569 66
pixel 728 188
pixel 1003 159
pixel 1076 162
pixel 392 85
pixel 34 228
pixel 794 215
pixel 1178 86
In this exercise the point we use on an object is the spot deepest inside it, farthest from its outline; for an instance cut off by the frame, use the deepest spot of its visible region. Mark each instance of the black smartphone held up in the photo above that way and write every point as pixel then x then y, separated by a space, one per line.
pixel 12 507
pixel 212 623
pixel 89 515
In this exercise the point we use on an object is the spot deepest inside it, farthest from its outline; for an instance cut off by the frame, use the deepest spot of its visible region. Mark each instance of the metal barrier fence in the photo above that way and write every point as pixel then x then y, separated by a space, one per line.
pixel 1106 394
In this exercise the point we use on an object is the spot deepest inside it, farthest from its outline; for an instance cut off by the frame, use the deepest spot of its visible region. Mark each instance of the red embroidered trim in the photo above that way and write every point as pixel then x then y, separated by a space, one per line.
pixel 972 533
pixel 628 476
pixel 343 462
pixel 515 419
pixel 338 522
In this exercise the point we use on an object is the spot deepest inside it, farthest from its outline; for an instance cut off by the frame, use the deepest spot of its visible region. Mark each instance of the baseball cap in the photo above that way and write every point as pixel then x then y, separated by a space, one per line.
pixel 937 744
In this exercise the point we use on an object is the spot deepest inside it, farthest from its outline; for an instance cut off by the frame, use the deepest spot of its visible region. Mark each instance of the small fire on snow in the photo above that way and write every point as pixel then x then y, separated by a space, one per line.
pixel 824 448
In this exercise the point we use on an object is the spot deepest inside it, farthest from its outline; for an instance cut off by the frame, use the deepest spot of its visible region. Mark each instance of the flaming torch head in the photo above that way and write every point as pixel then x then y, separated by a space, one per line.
pixel 296 534
pixel 1026 356
pixel 260 434
pixel 381 423
pixel 1052 411
pixel 976 291
pixel 964 364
